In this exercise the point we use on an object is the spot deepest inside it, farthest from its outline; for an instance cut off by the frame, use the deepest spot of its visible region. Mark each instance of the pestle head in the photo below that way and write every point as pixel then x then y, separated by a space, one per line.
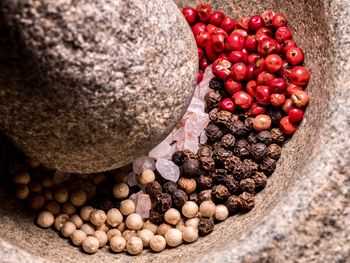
pixel 88 86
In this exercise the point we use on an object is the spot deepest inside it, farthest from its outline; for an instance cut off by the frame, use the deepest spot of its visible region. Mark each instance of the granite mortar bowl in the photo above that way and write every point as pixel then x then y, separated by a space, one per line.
pixel 285 223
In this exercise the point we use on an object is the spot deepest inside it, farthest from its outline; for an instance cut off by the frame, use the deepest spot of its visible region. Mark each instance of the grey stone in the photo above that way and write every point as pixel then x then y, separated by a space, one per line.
pixel 303 214
pixel 87 86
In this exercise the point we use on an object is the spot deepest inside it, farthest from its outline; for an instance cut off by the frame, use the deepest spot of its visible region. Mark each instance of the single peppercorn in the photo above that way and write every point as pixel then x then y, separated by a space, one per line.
pixel 213 132
pixel 193 197
pixel 228 141
pixel 258 151
pixel 191 167
pixel 212 99
pixel 246 201
pixel 233 204
pixel 248 122
pixel 275 115
pixel 231 162
pixel 251 164
pixel 242 171
pixel 224 118
pixel 163 202
pixel 252 138
pixel 154 189
pixel 177 158
pixel 205 151
pixel 204 182
pixel 274 151
pixel 207 163
pixel 156 217
pixel 205 226
pixel 213 114
pixel 277 136
pixel 264 137
pixel 242 148
pixel 189 185
pixel 238 129
pixel 216 84
pixel 220 193
pixel 218 175
pixel 268 166
pixel 231 184
pixel 247 185
pixel 260 180
pixel 179 197
pixel 204 196
pixel 221 154
pixel 187 155
pixel 105 203
pixel 169 187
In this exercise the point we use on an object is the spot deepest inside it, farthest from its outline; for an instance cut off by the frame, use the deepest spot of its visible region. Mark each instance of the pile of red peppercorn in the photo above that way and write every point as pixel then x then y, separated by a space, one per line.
pixel 258 61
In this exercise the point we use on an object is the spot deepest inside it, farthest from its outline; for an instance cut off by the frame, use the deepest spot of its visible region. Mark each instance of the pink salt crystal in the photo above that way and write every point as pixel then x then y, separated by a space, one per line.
pixel 164 149
pixel 60 177
pixel 203 87
pixel 143 163
pixel 132 179
pixel 168 170
pixel 135 196
pixel 143 205
pixel 203 138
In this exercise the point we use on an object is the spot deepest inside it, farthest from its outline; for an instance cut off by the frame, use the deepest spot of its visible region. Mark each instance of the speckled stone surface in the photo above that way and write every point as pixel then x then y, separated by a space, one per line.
pixel 85 86
pixel 304 213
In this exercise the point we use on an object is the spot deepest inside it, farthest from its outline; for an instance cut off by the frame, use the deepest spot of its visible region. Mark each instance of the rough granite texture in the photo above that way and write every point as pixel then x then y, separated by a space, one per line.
pixel 85 86
pixel 303 215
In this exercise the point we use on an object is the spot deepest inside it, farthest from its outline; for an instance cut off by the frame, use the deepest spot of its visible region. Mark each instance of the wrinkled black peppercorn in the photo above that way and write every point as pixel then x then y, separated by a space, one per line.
pixel 277 136
pixel 169 187
pixel 163 202
pixel 264 137
pixel 177 158
pixel 220 192
pixel 204 182
pixel 268 166
pixel 221 154
pixel 191 167
pixel 213 132
pixel 193 197
pixel 228 141
pixel 242 171
pixel 156 217
pixel 238 129
pixel 246 201
pixel 216 84
pixel 248 122
pixel 258 151
pixel 224 119
pixel 275 114
pixel 179 197
pixel 204 196
pixel 274 151
pixel 231 184
pixel 213 114
pixel 218 175
pixel 153 189
pixel 252 138
pixel 233 203
pixel 207 163
pixel 231 162
pixel 205 226
pixel 189 155
pixel 247 185
pixel 242 148
pixel 251 164
pixel 212 99
pixel 260 180
pixel 205 151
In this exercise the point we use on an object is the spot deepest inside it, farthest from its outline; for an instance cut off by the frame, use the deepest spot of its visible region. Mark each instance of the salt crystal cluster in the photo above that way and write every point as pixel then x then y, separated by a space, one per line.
pixel 143 163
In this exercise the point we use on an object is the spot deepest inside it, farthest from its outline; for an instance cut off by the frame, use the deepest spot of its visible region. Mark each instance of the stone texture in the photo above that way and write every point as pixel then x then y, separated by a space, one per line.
pixel 87 86
pixel 303 214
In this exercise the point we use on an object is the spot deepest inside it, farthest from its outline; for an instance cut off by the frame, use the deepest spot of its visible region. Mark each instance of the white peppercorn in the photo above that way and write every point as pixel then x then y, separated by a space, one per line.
pixel 134 221
pixel 113 232
pixel 60 220
pixel 114 217
pixel 193 222
pixel 127 207
pixel 146 236
pixel 117 244
pixel 68 208
pixel 77 221
pixel 121 190
pixel 162 229
pixel 21 178
pixel 190 234
pixel 147 176
pixel 189 209
pixel 78 198
pixel 101 237
pixel 90 245
pixel 221 212
pixel 88 228
pixel 180 225
pixel 98 217
pixel 172 216
pixel 45 219
pixel 121 227
pixel 67 229
pixel 61 195
pixel 157 243
pixel 85 212
pixel 105 227
pixel 127 234
pixel 22 192
pixel 207 209
pixel 150 226
pixel 173 237
pixel 134 245
pixel 78 236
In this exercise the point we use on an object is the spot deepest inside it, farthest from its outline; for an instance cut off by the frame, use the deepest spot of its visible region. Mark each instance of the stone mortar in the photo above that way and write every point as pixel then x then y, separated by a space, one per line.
pixel 85 86
pixel 303 214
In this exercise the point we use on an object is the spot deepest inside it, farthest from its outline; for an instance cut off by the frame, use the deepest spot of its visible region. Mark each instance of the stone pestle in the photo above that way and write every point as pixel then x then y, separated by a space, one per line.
pixel 88 86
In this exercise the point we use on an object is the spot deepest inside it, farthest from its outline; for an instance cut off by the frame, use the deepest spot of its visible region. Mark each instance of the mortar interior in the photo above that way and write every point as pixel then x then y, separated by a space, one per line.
pixel 307 19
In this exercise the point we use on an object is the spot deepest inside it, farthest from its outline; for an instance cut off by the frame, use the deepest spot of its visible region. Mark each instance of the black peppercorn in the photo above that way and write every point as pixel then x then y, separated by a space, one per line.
pixel 179 197
pixel 205 151
pixel 204 196
pixel 212 99
pixel 191 167
pixel 213 132
pixel 277 136
pixel 104 203
pixel 258 151
pixel 242 148
pixel 205 226
pixel 169 187
pixel 238 129
pixel 153 189
pixel 252 138
pixel 250 163
pixel 193 197
pixel 163 202
pixel 204 182
pixel 248 122
pixel 233 203
pixel 218 175
pixel 207 163
pixel 224 119
pixel 246 201
pixel 231 162
pixel 247 185
pixel 228 141
pixel 220 193
pixel 156 217
pixel 260 180
pixel 264 137
pixel 275 114
pixel 268 166
pixel 242 171
pixel 177 158
pixel 213 114
pixel 187 154
pixel 231 184
pixel 274 151
pixel 216 84
pixel 221 154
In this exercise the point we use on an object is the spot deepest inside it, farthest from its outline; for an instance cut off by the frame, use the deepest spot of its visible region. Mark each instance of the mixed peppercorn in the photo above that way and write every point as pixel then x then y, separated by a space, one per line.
pixel 256 101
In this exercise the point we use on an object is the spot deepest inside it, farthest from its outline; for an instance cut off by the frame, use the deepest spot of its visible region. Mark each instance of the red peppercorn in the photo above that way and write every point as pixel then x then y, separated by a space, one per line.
pixel 267 46
pixel 278 85
pixel 235 56
pixel 238 71
pixel 255 22
pixel 286 69
pixel 262 122
pixel 295 115
pixel 227 104
pixel 232 86
pixel 199 76
pixel 287 126
pixel 300 98
pixel 223 55
pixel 259 36
pixel 243 23
pixel 228 24
pixel 299 76
pixel 216 18
pixel 251 87
pixel 295 56
pixel 282 34
pixel 266 30
pixel 242 99
pixel 235 41
pixel 287 105
pixel 211 53
pixel 200 53
pixel 250 43
pixel 256 109
pixel 252 58
pixel 202 39
pixel 211 29
pixel 291 88
pixel 190 15
pixel 204 63
pixel 267 17
pixel 204 11
pixel 198 27
pixel 287 45
pixel 279 20
pixel 250 73
pixel 262 94
pixel 264 78
pixel 218 42
pixel 277 99
pixel 273 63
pixel 221 68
